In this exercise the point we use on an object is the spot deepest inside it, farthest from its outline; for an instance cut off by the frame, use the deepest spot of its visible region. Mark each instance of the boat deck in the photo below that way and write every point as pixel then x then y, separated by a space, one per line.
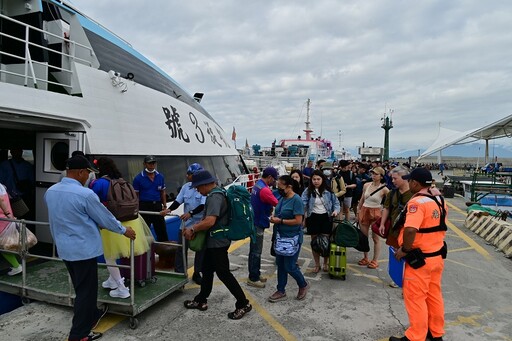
pixel 49 282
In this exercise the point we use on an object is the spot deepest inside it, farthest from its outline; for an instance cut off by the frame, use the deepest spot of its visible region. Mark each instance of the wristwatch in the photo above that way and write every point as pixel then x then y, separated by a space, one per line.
pixel 191 213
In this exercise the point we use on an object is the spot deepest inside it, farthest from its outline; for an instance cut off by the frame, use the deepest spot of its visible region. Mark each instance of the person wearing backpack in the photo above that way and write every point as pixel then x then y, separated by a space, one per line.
pixel 193 206
pixel 114 245
pixel 216 260
pixel 262 202
pixel 350 184
pixel 335 182
pixel 321 205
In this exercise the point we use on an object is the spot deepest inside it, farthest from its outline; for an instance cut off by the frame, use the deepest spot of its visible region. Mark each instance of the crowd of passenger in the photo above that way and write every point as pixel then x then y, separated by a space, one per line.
pixel 307 201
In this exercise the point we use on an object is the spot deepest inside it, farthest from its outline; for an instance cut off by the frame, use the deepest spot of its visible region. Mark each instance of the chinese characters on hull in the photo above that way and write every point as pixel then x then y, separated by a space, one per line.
pixel 177 132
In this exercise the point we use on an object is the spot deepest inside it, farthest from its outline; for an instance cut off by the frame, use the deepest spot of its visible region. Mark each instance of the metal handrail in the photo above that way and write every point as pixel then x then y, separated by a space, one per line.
pixel 28 60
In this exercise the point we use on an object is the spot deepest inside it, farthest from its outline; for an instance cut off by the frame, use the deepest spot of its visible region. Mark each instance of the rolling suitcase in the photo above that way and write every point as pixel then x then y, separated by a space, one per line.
pixel 337 261
pixel 144 270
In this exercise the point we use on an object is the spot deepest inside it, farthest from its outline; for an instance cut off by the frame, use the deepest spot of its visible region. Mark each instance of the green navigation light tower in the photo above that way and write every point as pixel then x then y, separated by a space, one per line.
pixel 387 124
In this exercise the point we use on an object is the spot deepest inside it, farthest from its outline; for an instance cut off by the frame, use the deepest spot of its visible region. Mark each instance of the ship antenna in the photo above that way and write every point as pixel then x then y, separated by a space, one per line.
pixel 308 129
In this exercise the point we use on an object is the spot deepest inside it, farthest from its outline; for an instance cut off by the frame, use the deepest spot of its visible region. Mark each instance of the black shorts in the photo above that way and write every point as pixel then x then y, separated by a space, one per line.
pixel 319 224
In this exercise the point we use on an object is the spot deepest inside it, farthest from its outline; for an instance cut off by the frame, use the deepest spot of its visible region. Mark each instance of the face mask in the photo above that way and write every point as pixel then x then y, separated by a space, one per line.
pixel 281 192
pixel 150 171
pixel 327 173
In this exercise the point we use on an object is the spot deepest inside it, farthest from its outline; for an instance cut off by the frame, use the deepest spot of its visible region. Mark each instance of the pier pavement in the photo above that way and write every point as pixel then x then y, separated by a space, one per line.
pixel 476 288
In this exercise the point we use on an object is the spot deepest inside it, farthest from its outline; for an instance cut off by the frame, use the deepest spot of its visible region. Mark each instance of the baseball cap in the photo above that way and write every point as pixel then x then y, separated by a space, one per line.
pixel 149 159
pixel 378 170
pixel 80 162
pixel 194 168
pixel 202 177
pixel 422 175
pixel 270 171
pixel 327 165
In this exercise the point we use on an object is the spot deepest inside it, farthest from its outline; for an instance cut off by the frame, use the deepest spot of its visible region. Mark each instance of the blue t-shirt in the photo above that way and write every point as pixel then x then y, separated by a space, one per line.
pixel 288 209
pixel 308 171
pixel 149 190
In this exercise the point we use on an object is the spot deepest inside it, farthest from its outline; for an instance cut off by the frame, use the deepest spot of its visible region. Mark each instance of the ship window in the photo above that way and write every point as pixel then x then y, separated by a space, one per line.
pixel 59 154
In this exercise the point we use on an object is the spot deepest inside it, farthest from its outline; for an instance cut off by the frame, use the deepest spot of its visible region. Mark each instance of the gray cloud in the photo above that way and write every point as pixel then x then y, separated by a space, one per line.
pixel 258 62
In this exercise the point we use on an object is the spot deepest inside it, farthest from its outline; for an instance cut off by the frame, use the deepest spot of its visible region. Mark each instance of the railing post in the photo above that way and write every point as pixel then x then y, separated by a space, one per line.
pixel 26 55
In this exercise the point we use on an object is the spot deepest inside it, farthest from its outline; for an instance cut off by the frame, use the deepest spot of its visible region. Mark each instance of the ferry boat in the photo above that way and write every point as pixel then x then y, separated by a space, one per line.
pixel 293 153
pixel 67 83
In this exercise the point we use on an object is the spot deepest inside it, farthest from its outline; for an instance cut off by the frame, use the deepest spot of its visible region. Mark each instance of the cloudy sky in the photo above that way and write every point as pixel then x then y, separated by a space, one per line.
pixel 432 62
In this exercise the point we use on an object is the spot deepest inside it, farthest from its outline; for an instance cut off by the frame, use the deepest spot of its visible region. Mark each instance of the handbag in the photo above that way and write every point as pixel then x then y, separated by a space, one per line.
pixel 376 225
pixel 363 245
pixel 18 206
pixel 198 242
pixel 10 238
pixel 286 246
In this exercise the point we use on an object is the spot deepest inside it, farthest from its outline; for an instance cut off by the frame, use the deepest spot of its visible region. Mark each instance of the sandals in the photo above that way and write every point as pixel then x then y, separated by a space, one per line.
pixel 373 265
pixel 326 267
pixel 316 269
pixel 191 304
pixel 239 313
pixel 364 262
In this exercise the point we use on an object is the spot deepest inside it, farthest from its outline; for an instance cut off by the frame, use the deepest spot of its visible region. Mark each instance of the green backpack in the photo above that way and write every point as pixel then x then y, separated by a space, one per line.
pixel 241 215
pixel 346 234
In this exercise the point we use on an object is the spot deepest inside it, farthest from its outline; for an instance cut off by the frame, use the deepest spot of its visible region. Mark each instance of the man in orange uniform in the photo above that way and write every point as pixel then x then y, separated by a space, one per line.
pixel 422 245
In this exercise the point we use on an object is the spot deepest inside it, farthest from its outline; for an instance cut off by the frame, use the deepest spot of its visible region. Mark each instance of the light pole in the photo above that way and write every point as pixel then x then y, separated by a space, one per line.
pixel 387 124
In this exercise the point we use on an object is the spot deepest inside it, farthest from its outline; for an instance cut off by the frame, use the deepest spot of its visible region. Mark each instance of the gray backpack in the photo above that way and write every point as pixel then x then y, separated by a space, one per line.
pixel 122 199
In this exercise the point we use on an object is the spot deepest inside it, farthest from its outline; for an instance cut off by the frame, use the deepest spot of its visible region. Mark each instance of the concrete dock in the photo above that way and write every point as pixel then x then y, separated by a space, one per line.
pixel 476 287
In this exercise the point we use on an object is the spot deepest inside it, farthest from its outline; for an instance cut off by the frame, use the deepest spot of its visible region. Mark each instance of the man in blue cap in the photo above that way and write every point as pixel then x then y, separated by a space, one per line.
pixel 216 258
pixel 263 201
pixel 193 205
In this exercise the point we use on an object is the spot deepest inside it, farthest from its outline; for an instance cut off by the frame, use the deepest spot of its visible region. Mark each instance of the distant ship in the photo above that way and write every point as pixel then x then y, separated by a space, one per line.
pixel 294 153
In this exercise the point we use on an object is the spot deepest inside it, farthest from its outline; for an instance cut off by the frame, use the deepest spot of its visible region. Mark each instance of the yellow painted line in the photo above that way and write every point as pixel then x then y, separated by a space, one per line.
pixel 453 207
pixel 461 249
pixel 357 271
pixel 470 241
pixel 465 265
pixel 278 327
pixel 458 220
pixel 110 321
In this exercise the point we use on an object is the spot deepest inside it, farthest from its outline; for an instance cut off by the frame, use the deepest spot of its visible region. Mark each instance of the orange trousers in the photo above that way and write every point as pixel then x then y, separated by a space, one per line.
pixel 424 299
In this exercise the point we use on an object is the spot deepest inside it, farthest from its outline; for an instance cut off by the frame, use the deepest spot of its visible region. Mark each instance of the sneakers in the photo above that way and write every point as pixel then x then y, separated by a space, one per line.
pixel 15 271
pixel 256 284
pixel 90 337
pixel 196 277
pixel 302 292
pixel 263 279
pixel 277 296
pixel 110 283
pixel 121 291
pixel 239 313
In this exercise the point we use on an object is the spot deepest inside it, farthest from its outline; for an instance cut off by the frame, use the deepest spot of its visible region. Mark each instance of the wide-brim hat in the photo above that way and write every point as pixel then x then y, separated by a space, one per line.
pixel 202 177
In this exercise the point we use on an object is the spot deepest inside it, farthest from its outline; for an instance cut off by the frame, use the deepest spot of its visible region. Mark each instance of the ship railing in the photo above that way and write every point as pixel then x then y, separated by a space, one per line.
pixel 29 289
pixel 29 62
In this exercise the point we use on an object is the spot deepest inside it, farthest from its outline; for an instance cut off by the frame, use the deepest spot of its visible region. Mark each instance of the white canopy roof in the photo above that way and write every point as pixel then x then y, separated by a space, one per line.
pixel 448 137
